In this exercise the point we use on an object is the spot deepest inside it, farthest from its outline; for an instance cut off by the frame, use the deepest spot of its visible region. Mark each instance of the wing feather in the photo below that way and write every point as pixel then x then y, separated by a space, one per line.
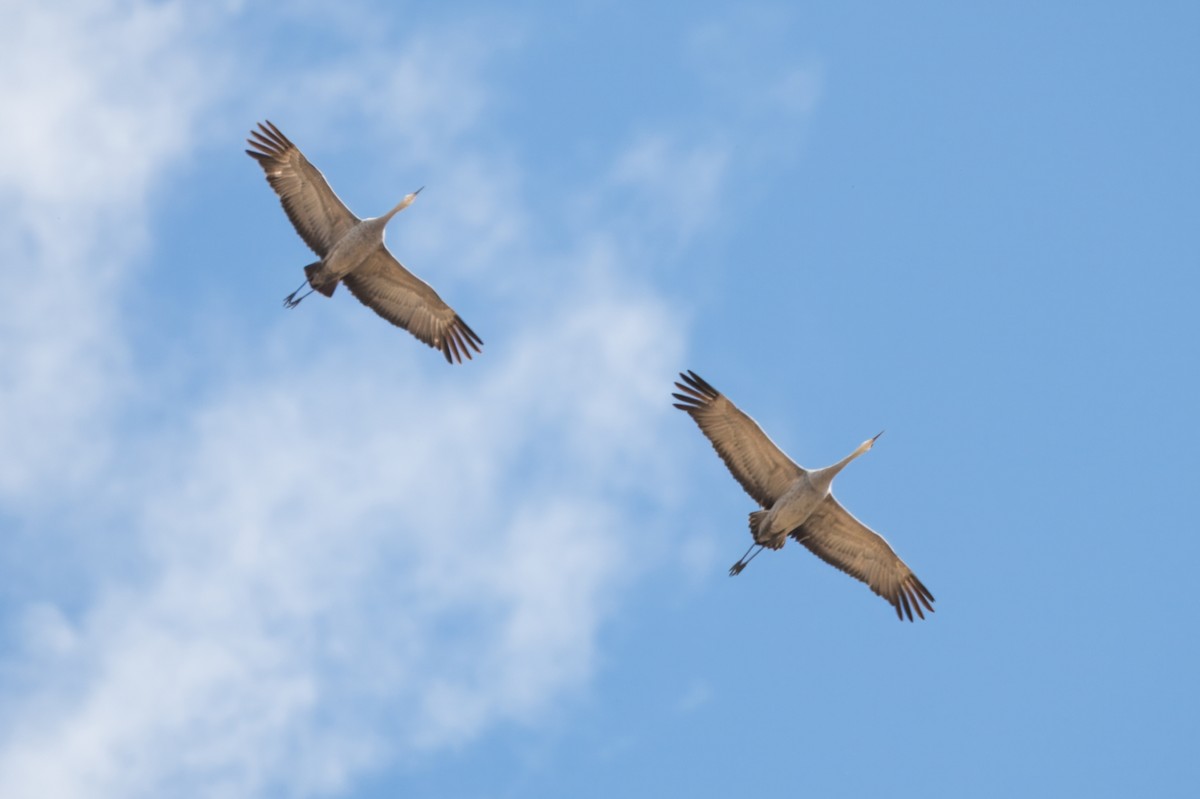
pixel 762 468
pixel 402 298
pixel 836 537
pixel 318 215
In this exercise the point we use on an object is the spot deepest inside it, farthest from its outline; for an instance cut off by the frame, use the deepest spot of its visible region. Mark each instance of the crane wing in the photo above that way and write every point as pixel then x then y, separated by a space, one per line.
pixel 402 298
pixel 762 468
pixel 836 537
pixel 318 215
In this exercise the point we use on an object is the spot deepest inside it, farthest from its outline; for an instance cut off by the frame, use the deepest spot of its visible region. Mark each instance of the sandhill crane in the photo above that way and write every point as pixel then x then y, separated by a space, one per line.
pixel 797 502
pixel 352 250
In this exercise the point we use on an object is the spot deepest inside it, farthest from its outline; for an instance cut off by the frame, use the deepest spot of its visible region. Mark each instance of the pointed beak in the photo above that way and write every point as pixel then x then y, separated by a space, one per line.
pixel 877 435
pixel 408 200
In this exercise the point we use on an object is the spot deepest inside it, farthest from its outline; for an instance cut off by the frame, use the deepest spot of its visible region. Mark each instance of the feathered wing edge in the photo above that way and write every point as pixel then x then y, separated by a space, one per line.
pixel 836 537
pixel 763 470
pixel 402 298
pixel 314 209
pixel 456 339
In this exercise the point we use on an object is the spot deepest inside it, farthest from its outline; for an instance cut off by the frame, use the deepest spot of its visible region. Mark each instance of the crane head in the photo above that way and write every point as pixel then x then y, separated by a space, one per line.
pixel 408 199
pixel 866 445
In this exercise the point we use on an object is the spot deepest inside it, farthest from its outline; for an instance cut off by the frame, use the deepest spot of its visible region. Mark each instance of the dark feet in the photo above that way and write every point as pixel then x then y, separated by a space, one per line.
pixel 736 568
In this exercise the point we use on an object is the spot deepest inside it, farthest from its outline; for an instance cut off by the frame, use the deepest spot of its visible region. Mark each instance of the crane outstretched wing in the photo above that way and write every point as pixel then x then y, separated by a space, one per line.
pixel 318 215
pixel 762 468
pixel 836 537
pixel 402 298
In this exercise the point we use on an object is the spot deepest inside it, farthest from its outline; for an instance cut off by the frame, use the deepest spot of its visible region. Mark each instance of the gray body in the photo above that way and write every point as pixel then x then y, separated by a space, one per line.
pixel 351 251
pixel 793 509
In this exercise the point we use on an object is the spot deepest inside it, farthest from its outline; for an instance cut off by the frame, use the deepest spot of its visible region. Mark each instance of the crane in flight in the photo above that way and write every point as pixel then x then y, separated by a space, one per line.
pixel 352 250
pixel 797 502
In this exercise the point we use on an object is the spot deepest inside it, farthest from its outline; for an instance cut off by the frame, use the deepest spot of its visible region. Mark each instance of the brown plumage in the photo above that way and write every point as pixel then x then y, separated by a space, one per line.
pixel 352 250
pixel 797 502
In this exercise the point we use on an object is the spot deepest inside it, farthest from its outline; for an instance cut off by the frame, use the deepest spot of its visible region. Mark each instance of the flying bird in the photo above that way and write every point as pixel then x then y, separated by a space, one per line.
pixel 352 250
pixel 797 502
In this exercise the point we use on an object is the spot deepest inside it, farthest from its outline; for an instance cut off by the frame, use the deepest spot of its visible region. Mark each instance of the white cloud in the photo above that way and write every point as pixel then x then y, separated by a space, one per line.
pixel 748 55
pixel 764 90
pixel 335 563
pixel 99 100
pixel 363 555
pixel 668 185
pixel 697 694
pixel 420 92
pixel 444 552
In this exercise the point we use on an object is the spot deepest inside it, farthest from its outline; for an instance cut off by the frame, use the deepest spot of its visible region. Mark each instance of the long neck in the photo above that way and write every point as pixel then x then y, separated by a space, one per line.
pixel 823 478
pixel 382 221
pixel 837 467
pixel 400 206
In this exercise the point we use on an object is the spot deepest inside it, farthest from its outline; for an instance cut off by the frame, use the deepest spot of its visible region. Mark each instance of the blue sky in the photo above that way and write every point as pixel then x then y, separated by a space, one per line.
pixel 250 552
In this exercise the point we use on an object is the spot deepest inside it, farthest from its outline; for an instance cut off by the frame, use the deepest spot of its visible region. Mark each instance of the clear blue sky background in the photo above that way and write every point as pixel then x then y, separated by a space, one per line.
pixel 250 552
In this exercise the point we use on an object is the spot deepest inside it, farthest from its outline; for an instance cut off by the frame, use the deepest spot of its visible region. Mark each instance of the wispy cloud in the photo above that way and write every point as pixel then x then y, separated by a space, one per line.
pixel 99 100
pixel 673 186
pixel 331 565
pixel 321 564
pixel 766 91
pixel 421 554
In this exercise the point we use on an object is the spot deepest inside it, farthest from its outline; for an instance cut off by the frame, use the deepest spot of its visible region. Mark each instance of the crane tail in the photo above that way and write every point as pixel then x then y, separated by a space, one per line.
pixel 313 271
pixel 756 519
